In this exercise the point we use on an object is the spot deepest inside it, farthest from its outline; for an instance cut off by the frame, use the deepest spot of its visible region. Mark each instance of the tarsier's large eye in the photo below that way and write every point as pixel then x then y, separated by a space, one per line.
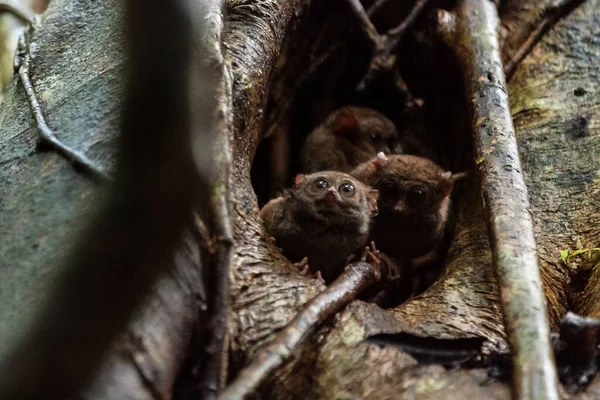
pixel 388 191
pixel 347 189
pixel 321 183
pixel 416 196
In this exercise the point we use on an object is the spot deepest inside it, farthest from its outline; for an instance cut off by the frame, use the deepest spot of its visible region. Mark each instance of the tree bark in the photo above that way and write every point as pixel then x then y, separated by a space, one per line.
pixel 554 109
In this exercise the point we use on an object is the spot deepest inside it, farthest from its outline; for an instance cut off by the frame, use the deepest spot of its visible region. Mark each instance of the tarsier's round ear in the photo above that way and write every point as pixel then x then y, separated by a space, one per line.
pixel 372 196
pixel 346 123
pixel 299 179
pixel 379 161
pixel 446 183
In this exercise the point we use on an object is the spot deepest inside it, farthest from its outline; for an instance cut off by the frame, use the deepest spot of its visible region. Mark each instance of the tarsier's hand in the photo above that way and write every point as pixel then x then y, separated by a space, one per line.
pixel 304 270
pixel 372 256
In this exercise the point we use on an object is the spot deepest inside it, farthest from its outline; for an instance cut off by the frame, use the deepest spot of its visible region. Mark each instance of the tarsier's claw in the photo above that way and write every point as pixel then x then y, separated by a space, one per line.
pixel 271 239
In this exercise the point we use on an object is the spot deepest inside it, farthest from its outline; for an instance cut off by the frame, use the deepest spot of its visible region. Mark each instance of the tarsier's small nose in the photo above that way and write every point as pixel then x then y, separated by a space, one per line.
pixel 331 196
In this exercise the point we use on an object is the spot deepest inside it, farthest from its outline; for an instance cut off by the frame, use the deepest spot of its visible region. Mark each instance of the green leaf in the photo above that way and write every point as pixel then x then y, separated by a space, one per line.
pixel 563 255
pixel 578 252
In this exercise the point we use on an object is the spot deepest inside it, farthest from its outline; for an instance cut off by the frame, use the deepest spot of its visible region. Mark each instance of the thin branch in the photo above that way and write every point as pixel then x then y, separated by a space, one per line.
pixel 357 277
pixel 507 202
pixel 383 59
pixel 364 22
pixel 552 14
pixel 216 165
pixel 315 65
pixel 45 135
pixel 376 7
pixel 369 31
pixel 395 34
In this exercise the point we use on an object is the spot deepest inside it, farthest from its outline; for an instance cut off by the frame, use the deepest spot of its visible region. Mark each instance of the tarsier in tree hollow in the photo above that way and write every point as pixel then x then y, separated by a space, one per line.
pixel 414 204
pixel 349 136
pixel 324 217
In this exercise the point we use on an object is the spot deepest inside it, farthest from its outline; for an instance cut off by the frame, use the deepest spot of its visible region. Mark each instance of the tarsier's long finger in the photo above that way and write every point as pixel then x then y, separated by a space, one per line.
pixel 304 270
pixel 350 258
pixel 373 259
pixel 319 277
pixel 301 263
pixel 373 247
pixel 271 239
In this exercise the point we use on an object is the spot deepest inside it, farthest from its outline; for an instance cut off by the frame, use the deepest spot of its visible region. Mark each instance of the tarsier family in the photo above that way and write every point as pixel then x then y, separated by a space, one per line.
pixel 360 197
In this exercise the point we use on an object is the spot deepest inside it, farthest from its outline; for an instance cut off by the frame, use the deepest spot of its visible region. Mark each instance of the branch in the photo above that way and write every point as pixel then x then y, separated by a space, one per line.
pixel 215 160
pixel 384 46
pixel 45 135
pixel 356 278
pixel 507 201
pixel 384 57
pixel 376 7
pixel 544 16
pixel 364 22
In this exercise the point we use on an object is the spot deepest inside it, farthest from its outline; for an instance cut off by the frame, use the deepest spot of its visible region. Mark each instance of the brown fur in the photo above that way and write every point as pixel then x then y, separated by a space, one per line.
pixel 408 227
pixel 322 224
pixel 348 137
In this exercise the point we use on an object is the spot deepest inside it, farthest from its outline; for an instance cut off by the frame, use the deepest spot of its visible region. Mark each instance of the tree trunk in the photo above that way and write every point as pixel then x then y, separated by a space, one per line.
pixel 285 58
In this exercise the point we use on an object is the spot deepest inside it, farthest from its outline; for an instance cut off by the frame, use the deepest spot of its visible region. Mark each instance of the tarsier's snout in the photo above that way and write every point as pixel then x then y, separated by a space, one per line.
pixel 332 197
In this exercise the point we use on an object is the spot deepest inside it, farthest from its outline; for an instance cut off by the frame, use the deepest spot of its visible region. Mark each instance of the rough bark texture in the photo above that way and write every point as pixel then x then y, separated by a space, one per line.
pixel 524 23
pixel 43 198
pixel 357 277
pixel 554 102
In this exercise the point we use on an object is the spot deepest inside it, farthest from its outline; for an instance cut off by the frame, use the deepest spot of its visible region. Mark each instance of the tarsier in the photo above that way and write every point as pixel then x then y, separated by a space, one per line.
pixel 413 204
pixel 348 137
pixel 324 217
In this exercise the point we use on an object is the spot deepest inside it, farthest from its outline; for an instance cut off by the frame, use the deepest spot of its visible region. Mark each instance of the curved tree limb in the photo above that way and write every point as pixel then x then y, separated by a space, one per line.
pixel 46 136
pixel 357 277
pixel 507 202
